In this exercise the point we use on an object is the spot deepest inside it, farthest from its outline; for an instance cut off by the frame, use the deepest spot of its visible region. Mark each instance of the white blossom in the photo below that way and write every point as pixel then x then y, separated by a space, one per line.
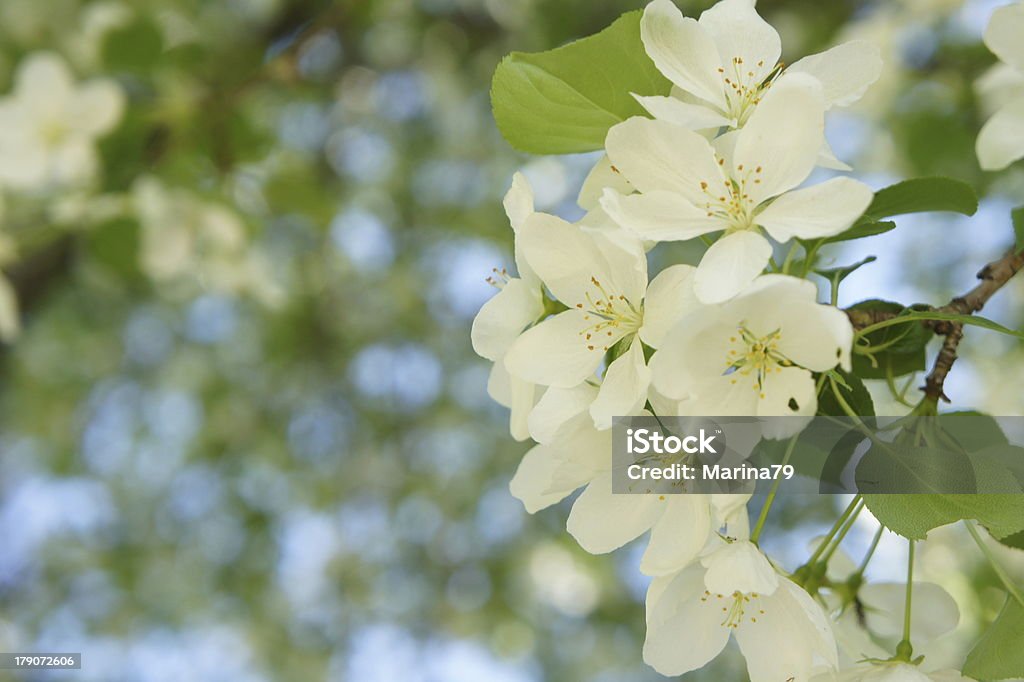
pixel 577 455
pixel 518 304
pixel 724 63
pixel 746 181
pixel 600 276
pixel 1001 140
pixel 735 591
pixel 754 355
pixel 188 240
pixel 49 124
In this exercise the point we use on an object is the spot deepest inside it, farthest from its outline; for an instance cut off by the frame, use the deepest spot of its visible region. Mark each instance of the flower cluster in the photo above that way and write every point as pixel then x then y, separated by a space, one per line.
pixel 51 126
pixel 1001 140
pixel 583 332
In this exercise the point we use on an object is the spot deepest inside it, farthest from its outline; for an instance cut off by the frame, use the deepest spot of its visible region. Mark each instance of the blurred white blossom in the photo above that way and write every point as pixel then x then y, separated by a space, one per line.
pixel 49 125
pixel 1001 140
pixel 186 238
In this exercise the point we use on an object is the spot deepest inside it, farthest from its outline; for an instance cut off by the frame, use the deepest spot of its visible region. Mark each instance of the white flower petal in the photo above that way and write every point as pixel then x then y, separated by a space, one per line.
pixel 624 388
pixel 43 83
pixel 822 210
pixel 600 177
pixel 657 155
pixel 23 164
pixel 686 114
pixel 601 521
pixel 555 352
pixel 784 388
pixel 563 255
pixel 814 336
pixel 95 107
pixel 933 612
pixel 659 215
pixel 523 398
pixel 625 263
pixel 730 509
pixel 514 393
pixel 1003 34
pixel 556 407
pixel 729 265
pixel 999 85
pixel 683 51
pixel 682 633
pixel 827 159
pixel 846 71
pixel 739 32
pixel 518 201
pixel 724 396
pixel 678 536
pixel 503 318
pixel 739 567
pixel 532 481
pixel 782 137
pixel 781 286
pixel 784 641
pixel 585 453
pixel 1001 140
pixel 74 161
pixel 669 297
pixel 691 352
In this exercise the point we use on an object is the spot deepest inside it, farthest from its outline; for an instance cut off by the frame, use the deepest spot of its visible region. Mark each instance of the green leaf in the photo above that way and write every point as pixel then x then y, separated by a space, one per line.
pixel 912 516
pixel 1016 540
pixel 136 47
pixel 902 346
pixel 837 275
pixel 854 392
pixel 914 470
pixel 565 100
pixel 998 655
pixel 1018 228
pixel 922 195
pixel 919 195
pixel 974 320
pixel 861 230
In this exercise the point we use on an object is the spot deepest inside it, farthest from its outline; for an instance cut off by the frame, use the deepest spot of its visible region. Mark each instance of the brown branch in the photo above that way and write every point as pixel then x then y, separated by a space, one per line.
pixel 993 277
pixel 861 319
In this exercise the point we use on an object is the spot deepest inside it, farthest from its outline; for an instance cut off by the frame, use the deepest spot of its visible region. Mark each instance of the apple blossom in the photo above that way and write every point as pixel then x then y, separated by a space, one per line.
pixel 689 187
pixel 723 64
pixel 1001 140
pixel 735 592
pixel 754 355
pixel 49 124
pixel 600 275
pixel 518 304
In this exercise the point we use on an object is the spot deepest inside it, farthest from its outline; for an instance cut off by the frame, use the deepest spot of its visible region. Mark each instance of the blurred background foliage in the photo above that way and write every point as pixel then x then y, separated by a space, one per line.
pixel 243 434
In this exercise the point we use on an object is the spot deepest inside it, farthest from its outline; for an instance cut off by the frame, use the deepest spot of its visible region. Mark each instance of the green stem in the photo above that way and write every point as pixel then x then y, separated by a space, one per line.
pixel 898 396
pixel 789 258
pixel 871 552
pixel 835 529
pixel 910 593
pixel 809 257
pixel 759 526
pixel 842 532
pixel 996 566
